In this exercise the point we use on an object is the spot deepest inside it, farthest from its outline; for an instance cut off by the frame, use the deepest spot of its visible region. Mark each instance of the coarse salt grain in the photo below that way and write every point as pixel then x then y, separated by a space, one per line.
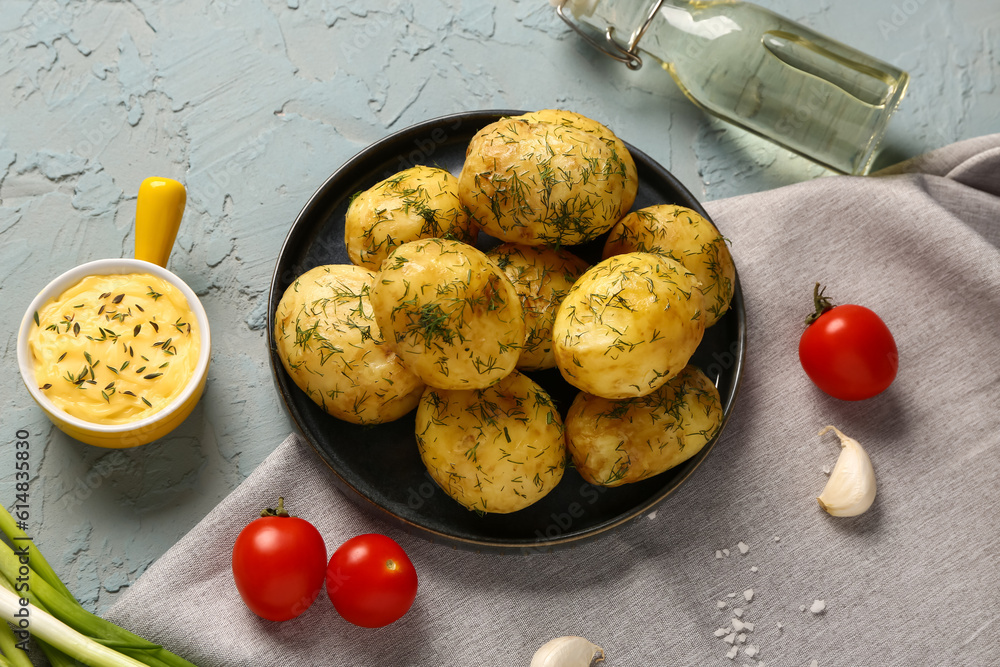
pixel 817 606
pixel 718 555
pixel 721 632
pixel 802 607
pixel 743 548
pixel 720 604
pixel 652 515
pixel 753 569
pixel 737 624
pixel 731 653
pixel 826 470
pixel 748 594
pixel 725 552
pixel 813 664
pixel 741 638
pixel 748 626
pixel 751 650
pixel 730 638
pixel 730 595
pixel 738 612
pixel 777 539
pixel 780 626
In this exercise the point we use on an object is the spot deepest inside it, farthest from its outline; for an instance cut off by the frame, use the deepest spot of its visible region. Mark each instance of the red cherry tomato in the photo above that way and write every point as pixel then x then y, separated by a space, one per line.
pixel 278 563
pixel 847 351
pixel 371 581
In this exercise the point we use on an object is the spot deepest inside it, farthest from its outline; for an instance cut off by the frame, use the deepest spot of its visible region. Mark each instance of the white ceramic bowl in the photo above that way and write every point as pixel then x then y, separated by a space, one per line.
pixel 133 433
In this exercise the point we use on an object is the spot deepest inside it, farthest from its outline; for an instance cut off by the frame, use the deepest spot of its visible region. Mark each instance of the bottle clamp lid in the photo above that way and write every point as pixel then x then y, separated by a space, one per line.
pixel 627 54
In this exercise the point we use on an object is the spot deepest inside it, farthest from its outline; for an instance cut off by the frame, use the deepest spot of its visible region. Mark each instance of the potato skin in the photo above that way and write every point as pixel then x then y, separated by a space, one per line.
pixel 542 277
pixel 547 180
pixel 450 313
pixel 591 126
pixel 686 237
pixel 614 442
pixel 331 346
pixel 419 202
pixel 628 325
pixel 495 450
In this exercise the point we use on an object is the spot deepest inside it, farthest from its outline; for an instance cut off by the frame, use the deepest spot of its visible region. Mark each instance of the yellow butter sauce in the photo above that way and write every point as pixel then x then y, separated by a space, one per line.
pixel 115 348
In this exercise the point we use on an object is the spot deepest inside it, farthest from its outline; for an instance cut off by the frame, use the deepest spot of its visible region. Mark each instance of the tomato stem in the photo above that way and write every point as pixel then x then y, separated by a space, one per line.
pixel 820 302
pixel 280 511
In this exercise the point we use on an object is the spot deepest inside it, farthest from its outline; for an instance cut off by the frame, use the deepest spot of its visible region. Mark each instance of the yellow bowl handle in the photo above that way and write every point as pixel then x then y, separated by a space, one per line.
pixel 158 213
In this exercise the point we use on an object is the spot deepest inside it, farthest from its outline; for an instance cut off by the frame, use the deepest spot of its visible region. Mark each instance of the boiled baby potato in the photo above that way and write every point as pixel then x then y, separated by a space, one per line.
pixel 417 203
pixel 628 325
pixel 494 450
pixel 549 178
pixel 686 237
pixel 542 276
pixel 591 126
pixel 614 442
pixel 331 346
pixel 450 313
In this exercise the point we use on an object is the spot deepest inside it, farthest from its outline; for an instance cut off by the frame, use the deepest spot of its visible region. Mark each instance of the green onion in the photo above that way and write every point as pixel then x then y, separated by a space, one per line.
pixel 66 632
pixel 8 644
pixel 52 631
pixel 55 657
pixel 69 611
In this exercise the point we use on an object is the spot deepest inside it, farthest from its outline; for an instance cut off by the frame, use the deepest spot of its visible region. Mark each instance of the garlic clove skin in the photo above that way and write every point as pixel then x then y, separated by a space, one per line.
pixel 567 652
pixel 850 491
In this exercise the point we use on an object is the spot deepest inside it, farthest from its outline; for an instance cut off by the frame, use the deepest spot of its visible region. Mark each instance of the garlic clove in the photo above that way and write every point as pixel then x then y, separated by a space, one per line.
pixel 567 652
pixel 850 491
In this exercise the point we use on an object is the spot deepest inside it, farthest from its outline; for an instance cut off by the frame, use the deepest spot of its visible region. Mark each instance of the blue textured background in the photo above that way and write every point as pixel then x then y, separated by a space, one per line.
pixel 252 104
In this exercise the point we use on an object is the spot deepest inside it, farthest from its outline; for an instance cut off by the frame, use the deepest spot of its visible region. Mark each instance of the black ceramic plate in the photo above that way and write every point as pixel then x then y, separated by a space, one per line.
pixel 379 466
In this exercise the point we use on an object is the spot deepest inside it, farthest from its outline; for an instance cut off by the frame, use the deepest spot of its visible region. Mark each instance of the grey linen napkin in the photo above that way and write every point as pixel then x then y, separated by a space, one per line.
pixel 914 581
